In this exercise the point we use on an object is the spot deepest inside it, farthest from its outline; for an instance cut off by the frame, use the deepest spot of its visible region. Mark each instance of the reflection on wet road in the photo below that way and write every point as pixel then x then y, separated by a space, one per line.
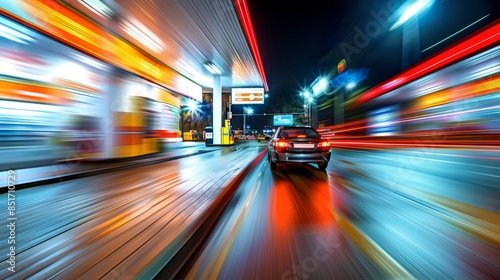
pixel 394 214
pixel 401 214
pixel 281 226
pixel 436 212
pixel 116 225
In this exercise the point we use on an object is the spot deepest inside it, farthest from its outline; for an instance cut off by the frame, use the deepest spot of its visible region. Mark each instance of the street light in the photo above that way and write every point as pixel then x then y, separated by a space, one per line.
pixel 307 96
pixel 407 16
pixel 193 106
pixel 409 10
pixel 248 111
pixel 310 100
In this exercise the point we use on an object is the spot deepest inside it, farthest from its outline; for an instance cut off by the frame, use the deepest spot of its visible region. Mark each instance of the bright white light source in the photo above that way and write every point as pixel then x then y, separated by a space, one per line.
pixel 415 8
pixel 26 107
pixel 350 85
pixel 12 34
pixel 193 106
pixel 138 90
pixel 142 34
pixel 72 72
pixel 195 75
pixel 97 7
pixel 320 86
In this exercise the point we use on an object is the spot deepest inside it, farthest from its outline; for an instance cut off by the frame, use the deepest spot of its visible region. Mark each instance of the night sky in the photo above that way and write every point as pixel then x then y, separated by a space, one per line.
pixel 300 40
pixel 293 36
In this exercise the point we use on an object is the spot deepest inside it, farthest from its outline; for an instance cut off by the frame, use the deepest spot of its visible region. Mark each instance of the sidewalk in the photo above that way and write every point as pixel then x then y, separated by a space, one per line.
pixel 71 169
pixel 125 225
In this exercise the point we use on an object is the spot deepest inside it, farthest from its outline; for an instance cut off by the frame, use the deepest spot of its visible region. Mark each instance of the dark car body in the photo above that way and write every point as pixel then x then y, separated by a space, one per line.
pixel 298 144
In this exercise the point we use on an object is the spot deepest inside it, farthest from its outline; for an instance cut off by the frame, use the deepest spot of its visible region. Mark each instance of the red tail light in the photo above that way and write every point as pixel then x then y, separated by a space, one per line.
pixel 324 144
pixel 281 144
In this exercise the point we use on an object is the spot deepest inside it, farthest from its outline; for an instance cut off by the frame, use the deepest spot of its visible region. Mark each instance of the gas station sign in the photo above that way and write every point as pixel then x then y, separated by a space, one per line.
pixel 279 120
pixel 247 96
pixel 341 66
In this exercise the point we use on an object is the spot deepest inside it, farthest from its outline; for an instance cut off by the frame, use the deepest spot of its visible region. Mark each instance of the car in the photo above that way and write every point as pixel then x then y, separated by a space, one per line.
pixel 298 144
pixel 261 137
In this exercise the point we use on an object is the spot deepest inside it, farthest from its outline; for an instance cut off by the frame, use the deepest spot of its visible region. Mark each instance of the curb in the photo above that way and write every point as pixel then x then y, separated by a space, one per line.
pixel 173 265
pixel 99 171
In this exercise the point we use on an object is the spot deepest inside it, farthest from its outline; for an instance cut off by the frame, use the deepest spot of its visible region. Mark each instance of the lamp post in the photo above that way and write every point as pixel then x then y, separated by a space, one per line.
pixel 306 111
pixel 340 102
pixel 248 111
pixel 407 17
pixel 320 86
pixel 230 116
pixel 307 102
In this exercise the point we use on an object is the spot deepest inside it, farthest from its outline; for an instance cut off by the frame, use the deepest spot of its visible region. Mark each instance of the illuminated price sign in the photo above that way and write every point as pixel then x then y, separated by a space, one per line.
pixel 247 96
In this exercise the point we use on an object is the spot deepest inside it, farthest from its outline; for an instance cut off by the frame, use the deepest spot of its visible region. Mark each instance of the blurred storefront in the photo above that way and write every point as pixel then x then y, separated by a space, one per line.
pixel 81 92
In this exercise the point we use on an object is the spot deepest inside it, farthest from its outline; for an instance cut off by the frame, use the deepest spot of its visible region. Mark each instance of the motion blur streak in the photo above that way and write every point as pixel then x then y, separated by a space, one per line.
pixel 71 89
pixel 412 190
pixel 456 107
pixel 117 225
pixel 289 231
pixel 483 39
pixel 371 249
pixel 435 213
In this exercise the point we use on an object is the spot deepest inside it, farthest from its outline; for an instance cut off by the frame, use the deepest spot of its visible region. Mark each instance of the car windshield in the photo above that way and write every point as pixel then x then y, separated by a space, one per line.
pixel 299 132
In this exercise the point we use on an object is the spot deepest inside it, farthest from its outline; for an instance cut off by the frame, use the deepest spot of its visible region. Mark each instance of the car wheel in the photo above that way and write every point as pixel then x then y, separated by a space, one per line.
pixel 322 165
pixel 272 164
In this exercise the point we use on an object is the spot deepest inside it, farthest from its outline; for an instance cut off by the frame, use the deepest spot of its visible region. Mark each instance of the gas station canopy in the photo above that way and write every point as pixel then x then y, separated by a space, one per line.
pixel 196 38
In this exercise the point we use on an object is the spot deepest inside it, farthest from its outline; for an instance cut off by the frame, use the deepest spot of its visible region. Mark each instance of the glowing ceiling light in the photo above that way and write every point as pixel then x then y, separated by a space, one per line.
pixel 143 35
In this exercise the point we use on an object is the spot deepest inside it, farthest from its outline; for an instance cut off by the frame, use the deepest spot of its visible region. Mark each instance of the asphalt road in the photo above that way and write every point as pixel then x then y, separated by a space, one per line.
pixel 400 214
pixel 377 214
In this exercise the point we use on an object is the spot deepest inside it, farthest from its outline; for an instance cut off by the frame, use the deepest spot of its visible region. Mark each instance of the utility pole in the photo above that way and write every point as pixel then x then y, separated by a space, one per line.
pixel 244 126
